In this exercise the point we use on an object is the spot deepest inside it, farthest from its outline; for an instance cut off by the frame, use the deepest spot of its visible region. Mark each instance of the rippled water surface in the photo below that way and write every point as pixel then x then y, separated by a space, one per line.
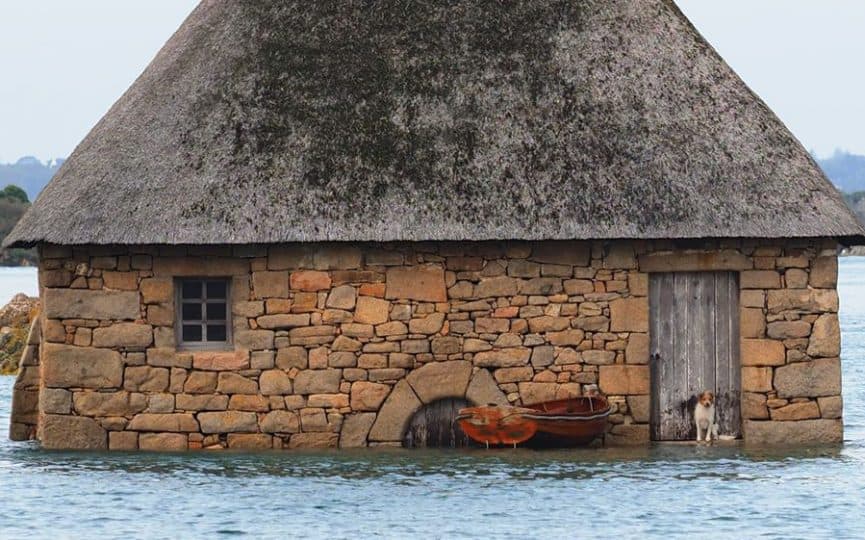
pixel 671 491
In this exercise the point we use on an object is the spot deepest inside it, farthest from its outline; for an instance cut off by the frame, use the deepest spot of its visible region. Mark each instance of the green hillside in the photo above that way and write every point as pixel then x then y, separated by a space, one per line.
pixel 13 203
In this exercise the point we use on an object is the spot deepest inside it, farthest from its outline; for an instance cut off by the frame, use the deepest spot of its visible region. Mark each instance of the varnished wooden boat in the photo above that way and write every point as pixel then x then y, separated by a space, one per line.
pixel 569 422
pixel 563 422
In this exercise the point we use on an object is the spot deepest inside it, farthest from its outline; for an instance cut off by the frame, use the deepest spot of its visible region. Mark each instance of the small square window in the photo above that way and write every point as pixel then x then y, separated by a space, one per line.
pixel 202 313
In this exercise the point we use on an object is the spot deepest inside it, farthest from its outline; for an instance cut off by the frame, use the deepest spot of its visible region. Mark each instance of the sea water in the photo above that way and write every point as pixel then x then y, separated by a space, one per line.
pixel 670 491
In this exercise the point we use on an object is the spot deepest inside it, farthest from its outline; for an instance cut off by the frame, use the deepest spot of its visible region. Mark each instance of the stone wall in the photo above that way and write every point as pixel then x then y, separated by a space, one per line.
pixel 338 345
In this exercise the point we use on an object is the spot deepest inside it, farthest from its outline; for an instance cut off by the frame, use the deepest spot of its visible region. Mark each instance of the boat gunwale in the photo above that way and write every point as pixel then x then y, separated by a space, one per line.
pixel 569 417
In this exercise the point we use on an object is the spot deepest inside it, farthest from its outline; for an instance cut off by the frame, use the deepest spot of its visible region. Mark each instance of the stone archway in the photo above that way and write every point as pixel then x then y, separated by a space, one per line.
pixel 427 384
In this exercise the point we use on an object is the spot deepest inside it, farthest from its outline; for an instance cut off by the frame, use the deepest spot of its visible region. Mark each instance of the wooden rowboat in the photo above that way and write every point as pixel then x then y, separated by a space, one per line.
pixel 563 422
pixel 569 422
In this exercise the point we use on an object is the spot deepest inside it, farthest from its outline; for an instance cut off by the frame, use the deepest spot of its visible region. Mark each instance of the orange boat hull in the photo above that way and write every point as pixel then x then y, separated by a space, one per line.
pixel 496 425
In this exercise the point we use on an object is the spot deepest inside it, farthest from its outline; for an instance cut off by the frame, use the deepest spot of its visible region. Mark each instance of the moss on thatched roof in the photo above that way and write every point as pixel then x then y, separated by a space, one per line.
pixel 275 121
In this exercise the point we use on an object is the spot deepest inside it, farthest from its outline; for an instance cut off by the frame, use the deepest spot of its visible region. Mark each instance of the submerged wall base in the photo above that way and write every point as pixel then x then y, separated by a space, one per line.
pixel 24 416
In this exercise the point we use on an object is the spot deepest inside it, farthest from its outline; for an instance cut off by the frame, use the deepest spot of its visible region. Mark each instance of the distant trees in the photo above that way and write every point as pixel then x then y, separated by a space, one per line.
pixel 13 203
pixel 846 170
pixel 29 174
pixel 14 192
pixel 856 202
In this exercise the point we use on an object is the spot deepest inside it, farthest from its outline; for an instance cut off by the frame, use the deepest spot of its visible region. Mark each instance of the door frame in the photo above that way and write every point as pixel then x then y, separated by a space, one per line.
pixel 725 311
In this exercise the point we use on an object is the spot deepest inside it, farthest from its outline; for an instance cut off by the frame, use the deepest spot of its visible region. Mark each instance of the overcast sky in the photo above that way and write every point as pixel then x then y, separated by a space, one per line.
pixel 64 62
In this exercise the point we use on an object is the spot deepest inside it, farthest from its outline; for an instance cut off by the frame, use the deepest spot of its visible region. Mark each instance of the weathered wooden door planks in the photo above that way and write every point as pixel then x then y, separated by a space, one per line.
pixel 695 347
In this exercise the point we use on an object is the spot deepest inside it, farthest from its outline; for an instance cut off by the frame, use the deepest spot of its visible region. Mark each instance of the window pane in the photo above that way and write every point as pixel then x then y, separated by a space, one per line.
pixel 192 289
pixel 216 290
pixel 203 314
pixel 215 312
pixel 191 312
pixel 191 332
pixel 216 332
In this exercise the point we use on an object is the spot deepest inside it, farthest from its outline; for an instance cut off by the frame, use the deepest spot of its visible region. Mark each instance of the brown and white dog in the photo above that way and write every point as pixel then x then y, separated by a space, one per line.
pixel 704 417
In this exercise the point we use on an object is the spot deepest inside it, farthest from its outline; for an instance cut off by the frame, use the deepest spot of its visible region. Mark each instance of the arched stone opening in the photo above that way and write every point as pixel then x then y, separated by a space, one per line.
pixel 455 383
pixel 435 426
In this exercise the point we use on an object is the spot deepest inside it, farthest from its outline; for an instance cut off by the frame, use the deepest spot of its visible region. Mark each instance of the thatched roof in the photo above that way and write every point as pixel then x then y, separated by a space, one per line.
pixel 290 120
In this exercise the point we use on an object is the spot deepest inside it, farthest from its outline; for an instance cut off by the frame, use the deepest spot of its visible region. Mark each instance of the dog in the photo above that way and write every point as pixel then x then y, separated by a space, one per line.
pixel 704 417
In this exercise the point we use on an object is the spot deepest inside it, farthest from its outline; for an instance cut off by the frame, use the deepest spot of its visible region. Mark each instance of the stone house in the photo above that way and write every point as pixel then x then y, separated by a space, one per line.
pixel 306 223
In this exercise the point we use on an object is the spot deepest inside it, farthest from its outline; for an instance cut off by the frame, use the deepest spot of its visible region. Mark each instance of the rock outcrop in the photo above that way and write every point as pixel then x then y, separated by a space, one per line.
pixel 15 319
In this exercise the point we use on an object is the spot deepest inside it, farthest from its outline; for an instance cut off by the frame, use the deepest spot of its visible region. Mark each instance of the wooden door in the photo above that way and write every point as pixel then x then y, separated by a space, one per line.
pixel 694 319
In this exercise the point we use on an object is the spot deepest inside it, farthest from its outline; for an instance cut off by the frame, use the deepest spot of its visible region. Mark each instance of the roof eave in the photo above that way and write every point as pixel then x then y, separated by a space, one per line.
pixel 848 240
